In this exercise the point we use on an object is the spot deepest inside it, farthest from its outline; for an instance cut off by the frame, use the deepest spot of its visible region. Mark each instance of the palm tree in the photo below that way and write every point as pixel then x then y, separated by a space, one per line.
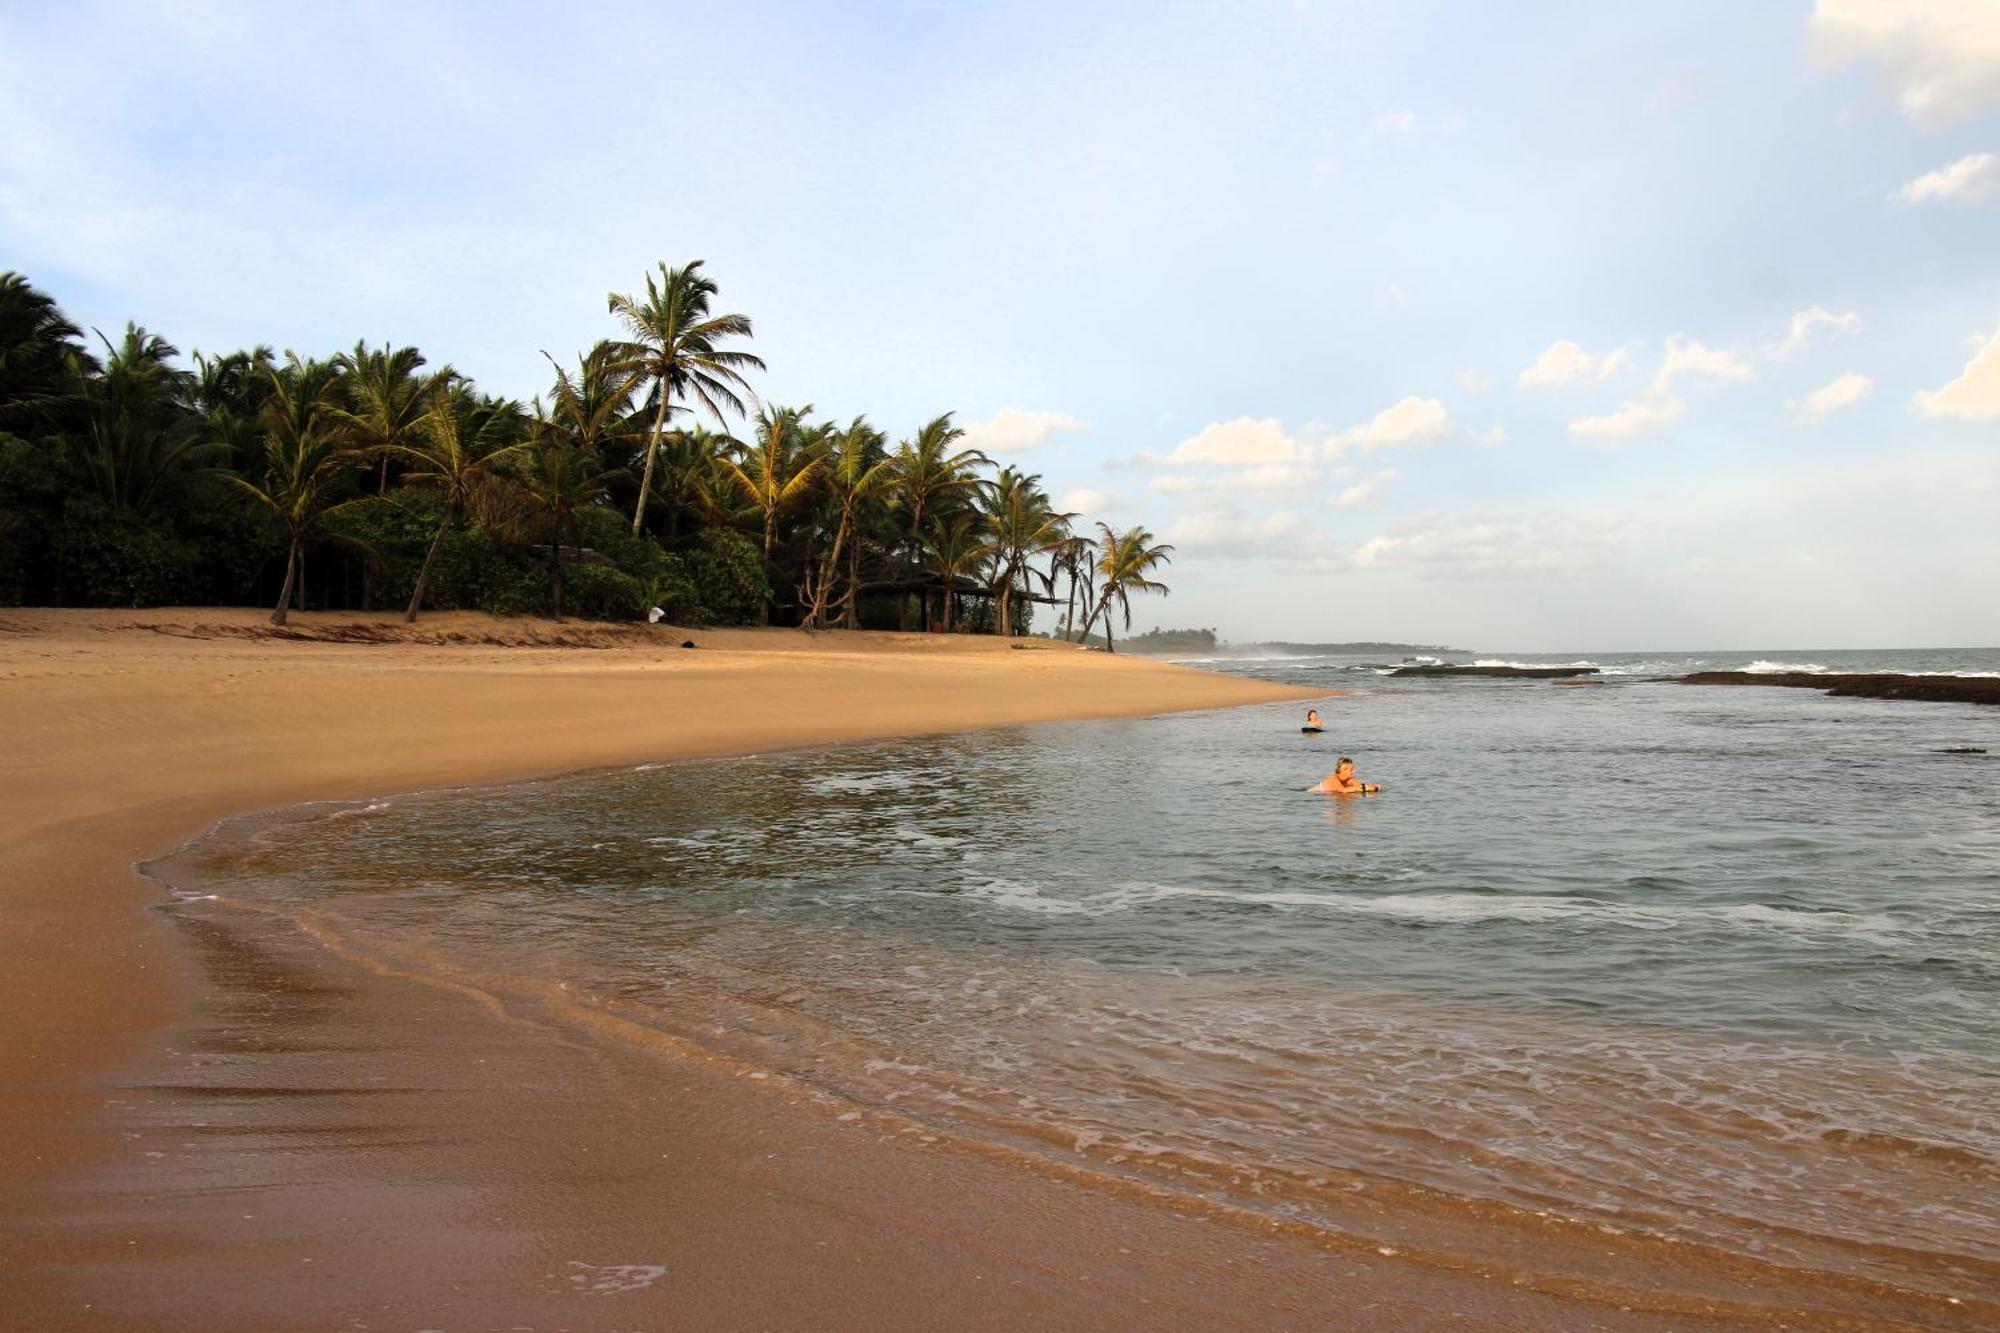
pixel 1125 562
pixel 690 479
pixel 456 446
pixel 307 452
pixel 956 547
pixel 386 401
pixel 675 345
pixel 594 406
pixel 1024 524
pixel 137 431
pixel 932 478
pixel 229 393
pixel 778 470
pixel 36 347
pixel 1073 559
pixel 559 478
pixel 858 469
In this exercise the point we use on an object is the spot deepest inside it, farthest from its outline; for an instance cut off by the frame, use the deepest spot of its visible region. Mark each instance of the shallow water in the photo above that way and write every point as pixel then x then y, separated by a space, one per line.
pixel 1714 966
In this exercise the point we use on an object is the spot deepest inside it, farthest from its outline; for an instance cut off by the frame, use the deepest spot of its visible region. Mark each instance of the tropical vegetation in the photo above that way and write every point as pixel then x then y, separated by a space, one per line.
pixel 647 481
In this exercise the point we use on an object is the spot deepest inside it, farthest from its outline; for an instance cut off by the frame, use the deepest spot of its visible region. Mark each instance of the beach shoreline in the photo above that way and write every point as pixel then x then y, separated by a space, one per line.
pixel 218 1120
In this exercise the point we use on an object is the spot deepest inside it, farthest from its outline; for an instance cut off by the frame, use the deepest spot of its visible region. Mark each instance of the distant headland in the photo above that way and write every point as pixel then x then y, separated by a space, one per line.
pixel 1204 641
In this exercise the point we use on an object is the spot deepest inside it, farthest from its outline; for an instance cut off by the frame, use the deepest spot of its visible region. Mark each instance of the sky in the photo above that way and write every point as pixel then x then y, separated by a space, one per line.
pixel 1542 327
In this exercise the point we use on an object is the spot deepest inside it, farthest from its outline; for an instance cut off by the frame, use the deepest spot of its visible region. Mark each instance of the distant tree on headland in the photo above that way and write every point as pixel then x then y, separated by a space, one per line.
pixel 372 480
pixel 1172 641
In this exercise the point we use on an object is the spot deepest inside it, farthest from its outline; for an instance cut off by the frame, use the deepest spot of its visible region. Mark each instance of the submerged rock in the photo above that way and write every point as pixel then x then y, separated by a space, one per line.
pixel 1933 689
pixel 1532 673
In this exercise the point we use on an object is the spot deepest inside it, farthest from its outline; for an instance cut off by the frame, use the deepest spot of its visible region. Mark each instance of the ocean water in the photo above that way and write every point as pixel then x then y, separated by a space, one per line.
pixel 1708 968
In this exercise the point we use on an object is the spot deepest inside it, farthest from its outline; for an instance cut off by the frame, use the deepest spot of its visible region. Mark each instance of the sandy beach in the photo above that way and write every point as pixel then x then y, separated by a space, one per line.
pixel 216 1121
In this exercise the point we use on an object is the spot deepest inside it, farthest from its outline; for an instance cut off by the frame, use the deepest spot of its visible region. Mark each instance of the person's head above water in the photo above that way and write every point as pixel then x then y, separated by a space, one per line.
pixel 1312 717
pixel 1343 766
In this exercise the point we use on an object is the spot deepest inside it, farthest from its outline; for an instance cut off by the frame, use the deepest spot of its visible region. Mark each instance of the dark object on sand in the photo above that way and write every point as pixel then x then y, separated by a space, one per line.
pixel 1527 673
pixel 1961 749
pixel 1932 689
pixel 687 643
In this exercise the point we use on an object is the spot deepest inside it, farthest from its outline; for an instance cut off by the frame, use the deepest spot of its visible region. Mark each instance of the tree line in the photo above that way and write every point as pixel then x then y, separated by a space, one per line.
pixel 372 479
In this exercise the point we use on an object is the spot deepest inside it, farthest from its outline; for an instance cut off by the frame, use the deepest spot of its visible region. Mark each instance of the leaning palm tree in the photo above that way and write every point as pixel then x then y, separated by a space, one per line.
pixel 675 344
pixel 1125 563
pixel 457 446
pixel 559 478
pixel 307 453
pixel 778 469
pixel 858 469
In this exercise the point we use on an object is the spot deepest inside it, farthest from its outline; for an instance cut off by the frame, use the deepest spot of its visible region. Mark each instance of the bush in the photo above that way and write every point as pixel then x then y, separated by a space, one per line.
pixel 727 571
pixel 599 592
pixel 113 557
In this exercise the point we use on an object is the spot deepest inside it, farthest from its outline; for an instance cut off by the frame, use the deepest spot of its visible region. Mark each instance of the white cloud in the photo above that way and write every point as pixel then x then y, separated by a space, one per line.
pixel 1566 361
pixel 1363 494
pixel 1808 324
pixel 1086 502
pixel 1640 416
pixel 1844 391
pixel 1473 381
pixel 1174 484
pixel 1491 546
pixel 1273 477
pixel 1972 179
pixel 1685 356
pixel 1940 57
pixel 1975 394
pixel 1659 404
pixel 1280 535
pixel 1012 430
pixel 1242 442
pixel 1491 438
pixel 1412 421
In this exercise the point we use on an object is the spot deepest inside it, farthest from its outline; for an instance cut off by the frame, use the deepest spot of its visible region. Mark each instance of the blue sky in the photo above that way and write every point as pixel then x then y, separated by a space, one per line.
pixel 1273 280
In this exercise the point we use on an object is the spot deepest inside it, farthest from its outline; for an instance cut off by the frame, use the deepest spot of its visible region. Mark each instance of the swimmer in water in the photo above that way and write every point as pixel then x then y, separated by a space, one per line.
pixel 1342 782
pixel 1312 721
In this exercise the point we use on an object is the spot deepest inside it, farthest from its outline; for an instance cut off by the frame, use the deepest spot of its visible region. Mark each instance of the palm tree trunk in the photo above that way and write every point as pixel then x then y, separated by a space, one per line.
pixel 770 536
pixel 1109 647
pixel 828 570
pixel 852 617
pixel 430 558
pixel 285 593
pixel 652 456
pixel 555 567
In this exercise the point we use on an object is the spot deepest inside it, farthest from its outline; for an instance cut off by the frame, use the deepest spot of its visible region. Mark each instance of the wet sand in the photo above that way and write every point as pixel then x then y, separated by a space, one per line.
pixel 214 1121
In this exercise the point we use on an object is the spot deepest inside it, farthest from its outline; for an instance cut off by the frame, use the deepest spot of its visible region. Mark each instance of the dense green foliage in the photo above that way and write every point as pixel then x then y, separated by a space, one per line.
pixel 370 479
pixel 1173 641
